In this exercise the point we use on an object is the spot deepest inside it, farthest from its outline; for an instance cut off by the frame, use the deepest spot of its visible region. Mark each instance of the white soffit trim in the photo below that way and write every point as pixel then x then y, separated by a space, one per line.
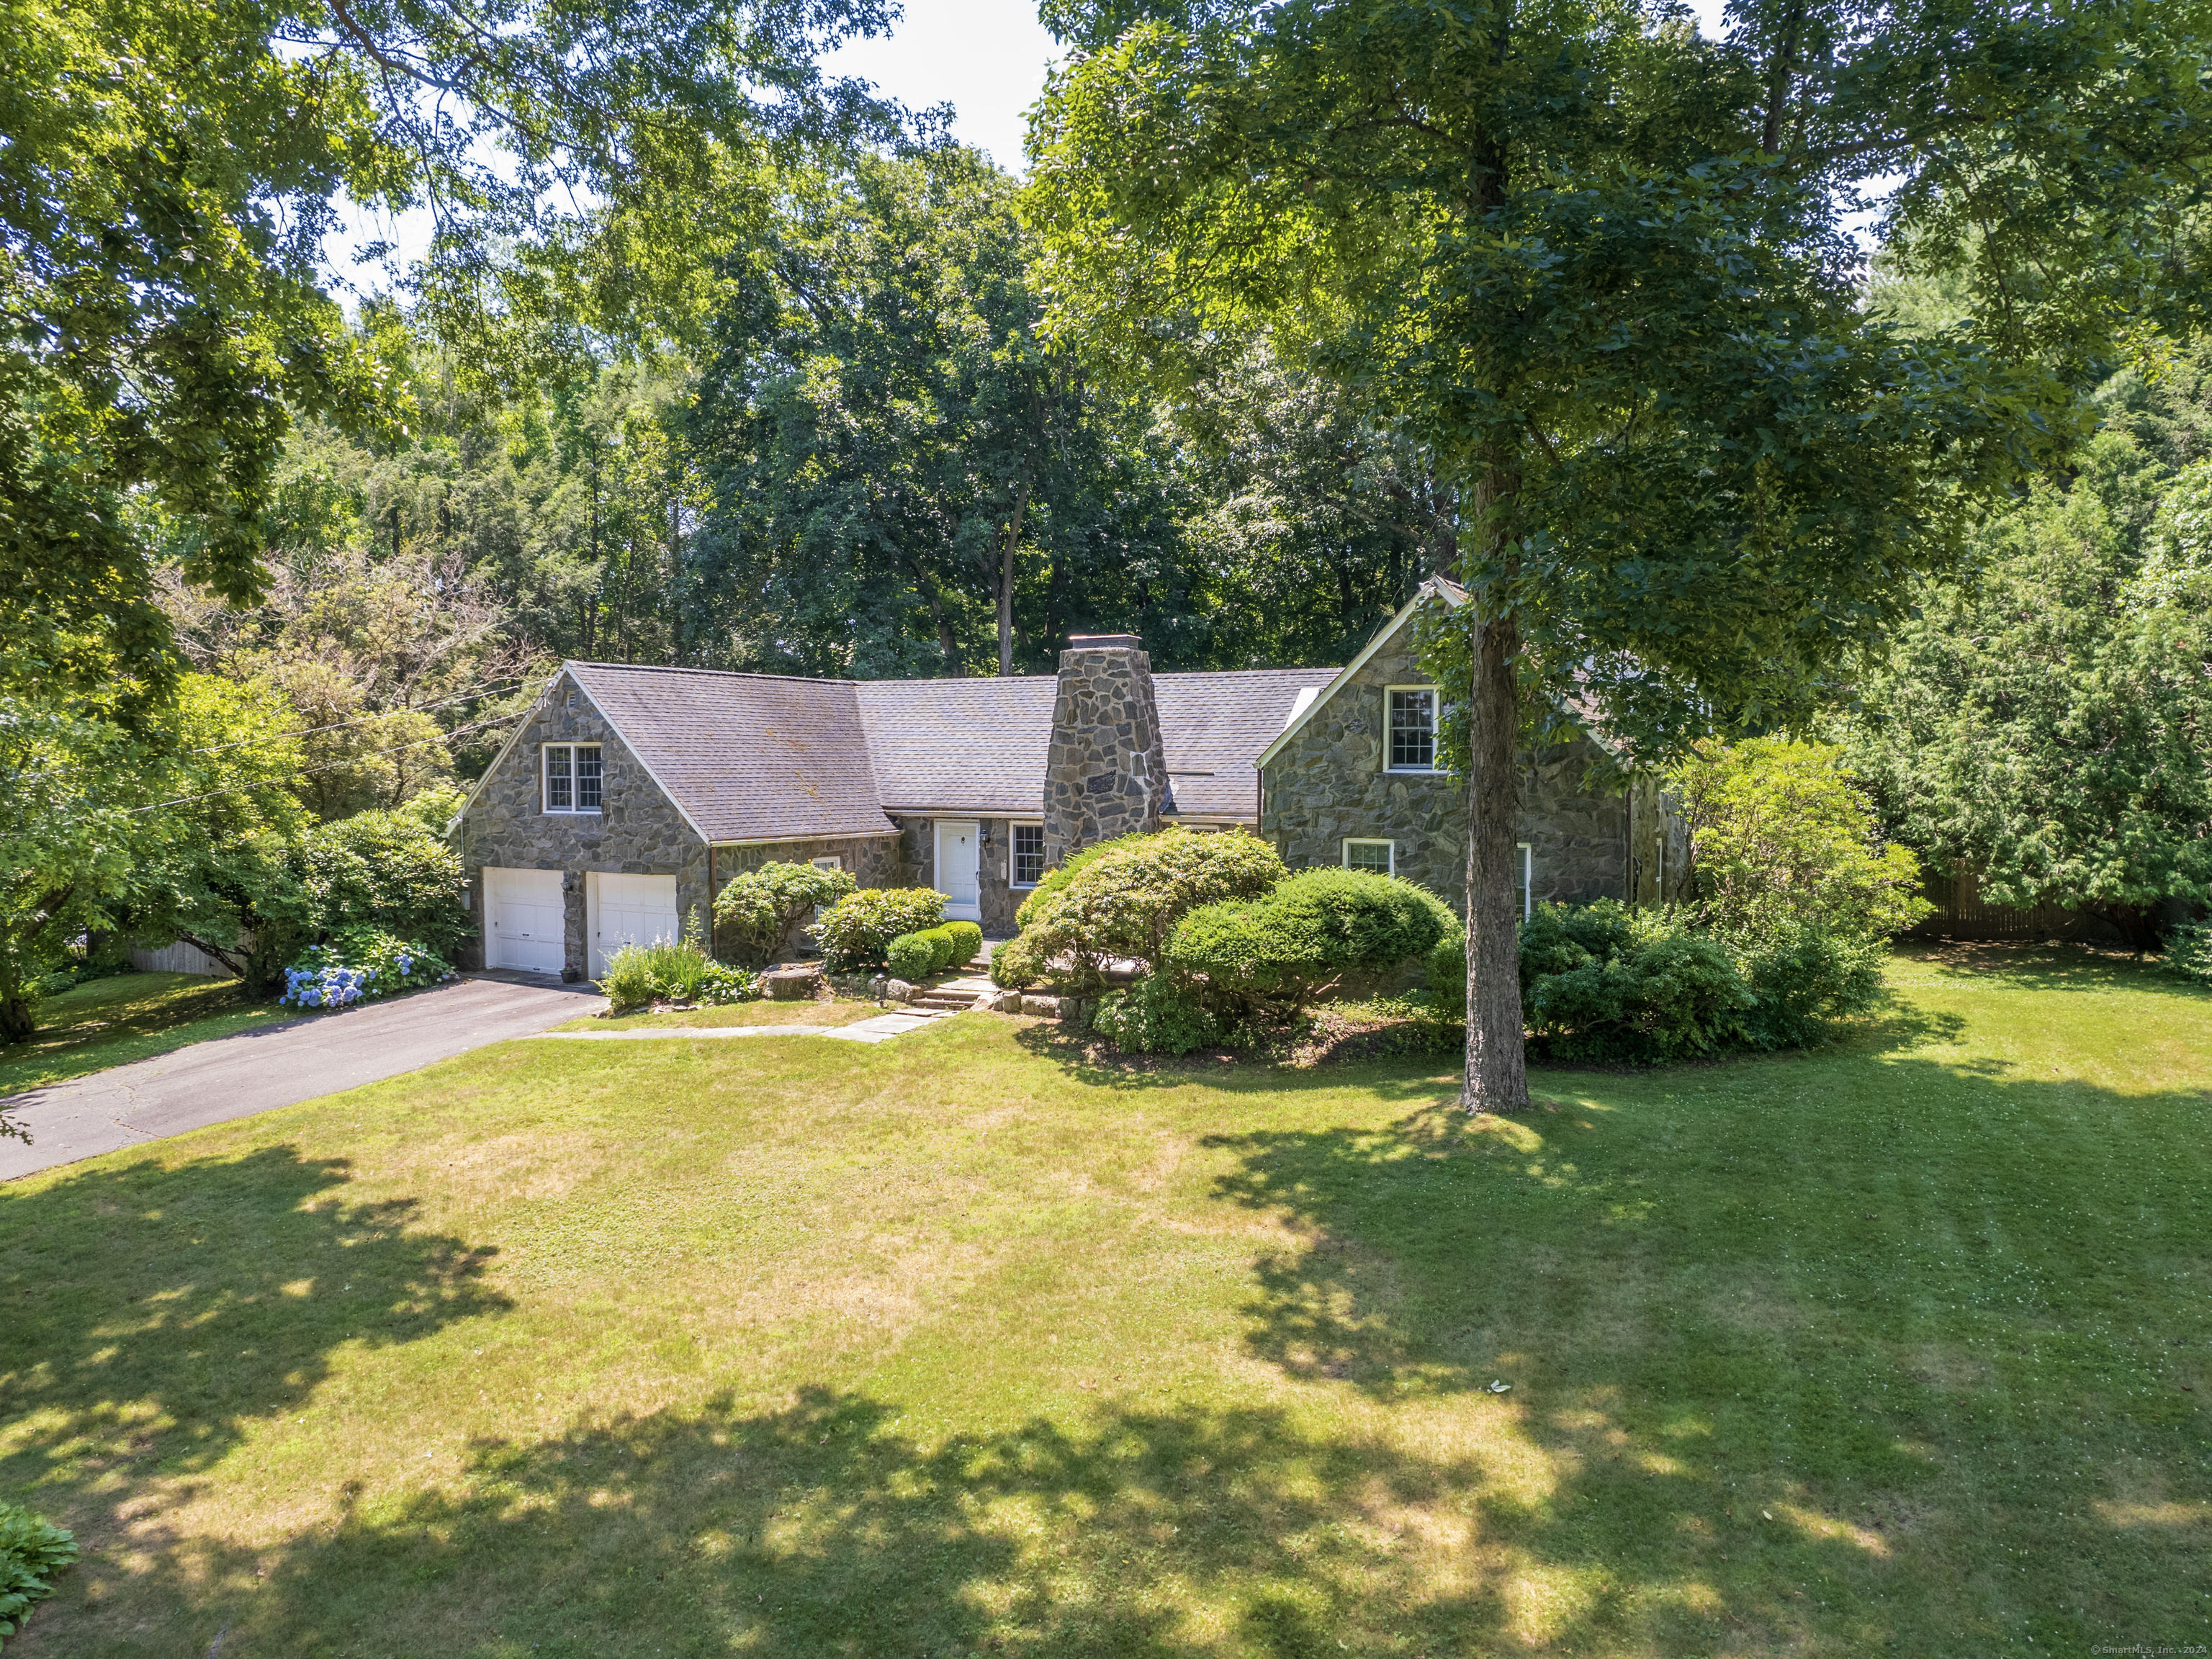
pixel 1301 713
pixel 667 794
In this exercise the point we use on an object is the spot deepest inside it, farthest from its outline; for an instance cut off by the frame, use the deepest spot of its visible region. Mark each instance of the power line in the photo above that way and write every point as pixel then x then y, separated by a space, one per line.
pixel 491 690
pixel 351 760
pixel 494 689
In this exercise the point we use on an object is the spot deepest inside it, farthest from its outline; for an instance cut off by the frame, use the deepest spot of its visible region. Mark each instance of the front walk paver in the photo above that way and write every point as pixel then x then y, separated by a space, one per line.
pixel 274 1065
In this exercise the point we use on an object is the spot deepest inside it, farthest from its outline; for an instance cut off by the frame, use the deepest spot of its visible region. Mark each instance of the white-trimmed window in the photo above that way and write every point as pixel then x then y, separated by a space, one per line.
pixel 828 861
pixel 571 777
pixel 1410 744
pixel 1025 862
pixel 1379 856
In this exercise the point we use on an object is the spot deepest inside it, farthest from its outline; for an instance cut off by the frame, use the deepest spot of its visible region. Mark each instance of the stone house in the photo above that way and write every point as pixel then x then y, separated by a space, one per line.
pixel 1352 779
pixel 628 795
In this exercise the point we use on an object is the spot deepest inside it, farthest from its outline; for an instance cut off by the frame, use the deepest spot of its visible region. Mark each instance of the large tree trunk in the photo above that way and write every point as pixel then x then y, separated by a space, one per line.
pixel 1497 1066
pixel 1496 1069
pixel 17 1022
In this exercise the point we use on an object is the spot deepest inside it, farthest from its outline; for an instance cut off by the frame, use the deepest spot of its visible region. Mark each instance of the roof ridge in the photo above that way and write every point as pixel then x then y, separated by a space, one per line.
pixel 708 673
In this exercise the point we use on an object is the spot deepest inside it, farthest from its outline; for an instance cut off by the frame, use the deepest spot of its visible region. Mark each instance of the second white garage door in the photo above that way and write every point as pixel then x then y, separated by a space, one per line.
pixel 630 910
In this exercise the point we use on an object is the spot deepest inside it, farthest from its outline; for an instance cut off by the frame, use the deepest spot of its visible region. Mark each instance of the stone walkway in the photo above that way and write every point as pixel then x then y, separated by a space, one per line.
pixel 882 1028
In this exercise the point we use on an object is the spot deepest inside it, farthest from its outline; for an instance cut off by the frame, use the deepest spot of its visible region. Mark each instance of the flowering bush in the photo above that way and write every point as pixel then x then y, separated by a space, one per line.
pixel 674 970
pixel 359 963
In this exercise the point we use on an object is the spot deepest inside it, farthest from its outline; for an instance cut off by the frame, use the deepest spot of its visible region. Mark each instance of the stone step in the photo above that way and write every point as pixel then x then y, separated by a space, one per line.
pixel 949 1001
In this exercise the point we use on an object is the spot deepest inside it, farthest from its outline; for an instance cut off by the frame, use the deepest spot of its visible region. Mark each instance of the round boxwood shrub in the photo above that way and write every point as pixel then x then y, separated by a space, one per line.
pixel 1316 929
pixel 911 956
pixel 857 930
pixel 967 942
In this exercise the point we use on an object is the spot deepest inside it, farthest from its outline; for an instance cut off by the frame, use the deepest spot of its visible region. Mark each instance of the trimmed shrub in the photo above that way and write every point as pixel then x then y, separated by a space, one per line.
pixel 758 911
pixel 1123 900
pixel 1315 930
pixel 358 965
pixel 911 956
pixel 1601 981
pixel 1060 874
pixel 1803 979
pixel 1155 1016
pixel 32 1552
pixel 941 946
pixel 967 942
pixel 857 930
pixel 1652 990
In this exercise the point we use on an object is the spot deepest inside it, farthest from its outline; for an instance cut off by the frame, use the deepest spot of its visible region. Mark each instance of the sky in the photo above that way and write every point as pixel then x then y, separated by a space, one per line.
pixel 984 57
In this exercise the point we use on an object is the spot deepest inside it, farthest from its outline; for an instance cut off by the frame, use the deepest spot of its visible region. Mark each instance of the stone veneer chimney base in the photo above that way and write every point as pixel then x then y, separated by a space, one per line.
pixel 1106 772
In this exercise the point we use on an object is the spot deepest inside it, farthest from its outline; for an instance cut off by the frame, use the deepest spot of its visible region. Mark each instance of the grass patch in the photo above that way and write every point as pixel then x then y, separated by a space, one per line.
pixel 112 1022
pixel 958 1345
pixel 839 1012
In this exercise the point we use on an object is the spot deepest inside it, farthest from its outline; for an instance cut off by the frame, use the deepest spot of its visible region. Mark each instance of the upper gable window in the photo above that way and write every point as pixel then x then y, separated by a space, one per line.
pixel 1412 728
pixel 571 777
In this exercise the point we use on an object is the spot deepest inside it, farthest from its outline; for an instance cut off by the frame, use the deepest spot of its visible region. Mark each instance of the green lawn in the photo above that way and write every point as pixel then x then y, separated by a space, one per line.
pixel 110 1022
pixel 960 1344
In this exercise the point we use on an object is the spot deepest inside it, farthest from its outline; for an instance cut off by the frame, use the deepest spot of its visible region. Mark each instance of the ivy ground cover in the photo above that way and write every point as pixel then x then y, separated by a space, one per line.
pixel 965 1345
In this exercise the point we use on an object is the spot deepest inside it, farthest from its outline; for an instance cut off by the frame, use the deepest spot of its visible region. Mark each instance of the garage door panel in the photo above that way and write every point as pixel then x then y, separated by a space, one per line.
pixel 526 920
pixel 630 910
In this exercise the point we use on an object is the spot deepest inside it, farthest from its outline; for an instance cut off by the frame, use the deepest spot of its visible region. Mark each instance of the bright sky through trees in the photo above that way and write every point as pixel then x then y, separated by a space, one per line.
pixel 984 57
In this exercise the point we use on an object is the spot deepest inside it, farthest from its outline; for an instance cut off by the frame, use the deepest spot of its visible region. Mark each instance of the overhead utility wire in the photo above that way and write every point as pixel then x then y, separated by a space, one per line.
pixel 351 760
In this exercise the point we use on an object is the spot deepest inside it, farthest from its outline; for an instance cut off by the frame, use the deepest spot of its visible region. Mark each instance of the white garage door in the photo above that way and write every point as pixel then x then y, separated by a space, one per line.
pixel 630 910
pixel 524 915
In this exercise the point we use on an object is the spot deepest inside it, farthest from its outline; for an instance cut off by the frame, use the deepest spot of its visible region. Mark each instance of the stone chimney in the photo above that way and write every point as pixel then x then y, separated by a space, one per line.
pixel 1106 772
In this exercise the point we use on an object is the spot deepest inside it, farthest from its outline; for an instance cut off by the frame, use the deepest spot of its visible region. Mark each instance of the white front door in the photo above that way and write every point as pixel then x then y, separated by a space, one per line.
pixel 523 921
pixel 959 857
pixel 630 910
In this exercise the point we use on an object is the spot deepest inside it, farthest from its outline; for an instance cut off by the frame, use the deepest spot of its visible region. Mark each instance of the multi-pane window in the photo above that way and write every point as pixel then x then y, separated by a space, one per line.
pixel 1379 856
pixel 571 777
pixel 1029 854
pixel 1413 729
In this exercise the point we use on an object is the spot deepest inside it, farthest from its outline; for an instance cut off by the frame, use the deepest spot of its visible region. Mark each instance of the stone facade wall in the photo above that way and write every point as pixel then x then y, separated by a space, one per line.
pixel 1329 784
pixel 872 861
pixel 638 831
pixel 916 867
pixel 1106 772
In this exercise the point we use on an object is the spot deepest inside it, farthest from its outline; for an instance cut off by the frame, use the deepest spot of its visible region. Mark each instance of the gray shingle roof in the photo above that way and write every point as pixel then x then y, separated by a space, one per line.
pixel 746 756
pixel 960 745
pixel 758 757
pixel 1214 725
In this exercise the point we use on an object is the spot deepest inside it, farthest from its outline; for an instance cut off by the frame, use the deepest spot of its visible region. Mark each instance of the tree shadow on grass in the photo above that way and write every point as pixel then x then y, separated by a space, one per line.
pixel 1891 1388
pixel 237 1277
pixel 1095 1063
pixel 2035 966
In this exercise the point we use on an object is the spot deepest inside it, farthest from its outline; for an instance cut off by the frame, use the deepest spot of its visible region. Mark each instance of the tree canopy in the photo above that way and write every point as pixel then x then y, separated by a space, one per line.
pixel 1595 263
pixel 2044 727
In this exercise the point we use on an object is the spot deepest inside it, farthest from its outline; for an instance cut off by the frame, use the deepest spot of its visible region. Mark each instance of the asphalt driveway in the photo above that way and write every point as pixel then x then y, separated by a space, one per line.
pixel 277 1066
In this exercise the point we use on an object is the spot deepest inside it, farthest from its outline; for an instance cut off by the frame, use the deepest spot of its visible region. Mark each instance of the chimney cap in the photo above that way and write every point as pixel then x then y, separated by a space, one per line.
pixel 1103 642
